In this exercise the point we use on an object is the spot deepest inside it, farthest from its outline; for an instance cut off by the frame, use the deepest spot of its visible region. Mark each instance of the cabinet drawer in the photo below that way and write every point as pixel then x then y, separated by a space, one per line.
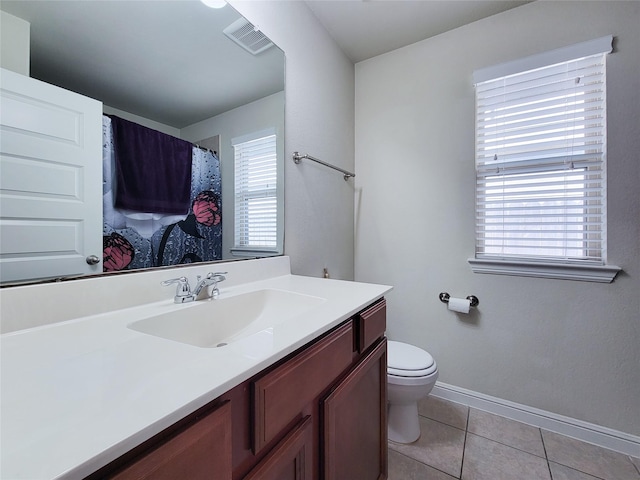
pixel 280 396
pixel 200 451
pixel 372 324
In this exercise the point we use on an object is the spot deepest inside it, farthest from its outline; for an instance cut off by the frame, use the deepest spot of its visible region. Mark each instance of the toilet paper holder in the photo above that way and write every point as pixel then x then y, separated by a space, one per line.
pixel 473 300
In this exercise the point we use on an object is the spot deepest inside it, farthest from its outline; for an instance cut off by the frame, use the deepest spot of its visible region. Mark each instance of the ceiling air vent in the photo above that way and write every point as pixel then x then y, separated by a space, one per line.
pixel 247 36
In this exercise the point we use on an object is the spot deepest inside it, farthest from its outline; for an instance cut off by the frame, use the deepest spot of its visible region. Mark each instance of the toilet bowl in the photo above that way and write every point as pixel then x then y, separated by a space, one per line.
pixel 411 375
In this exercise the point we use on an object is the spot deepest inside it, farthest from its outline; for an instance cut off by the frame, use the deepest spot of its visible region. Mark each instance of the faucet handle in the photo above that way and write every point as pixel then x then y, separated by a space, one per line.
pixel 217 276
pixel 213 279
pixel 183 289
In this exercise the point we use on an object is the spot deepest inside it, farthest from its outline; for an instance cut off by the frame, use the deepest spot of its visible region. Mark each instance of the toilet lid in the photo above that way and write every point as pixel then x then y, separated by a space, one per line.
pixel 408 360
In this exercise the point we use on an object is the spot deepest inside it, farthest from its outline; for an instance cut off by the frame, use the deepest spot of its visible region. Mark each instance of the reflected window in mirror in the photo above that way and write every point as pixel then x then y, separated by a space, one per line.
pixel 256 195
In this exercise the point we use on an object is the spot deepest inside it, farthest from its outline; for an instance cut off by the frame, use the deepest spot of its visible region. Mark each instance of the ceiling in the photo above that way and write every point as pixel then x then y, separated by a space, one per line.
pixel 366 28
pixel 168 60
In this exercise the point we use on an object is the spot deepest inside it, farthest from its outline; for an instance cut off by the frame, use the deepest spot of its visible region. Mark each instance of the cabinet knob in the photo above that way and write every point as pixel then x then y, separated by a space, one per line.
pixel 93 260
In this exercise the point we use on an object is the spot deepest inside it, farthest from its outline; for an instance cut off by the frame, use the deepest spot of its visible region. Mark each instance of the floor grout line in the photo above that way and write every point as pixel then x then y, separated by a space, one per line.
pixel 423 463
pixel 445 423
pixel 464 445
pixel 444 420
pixel 636 466
pixel 546 456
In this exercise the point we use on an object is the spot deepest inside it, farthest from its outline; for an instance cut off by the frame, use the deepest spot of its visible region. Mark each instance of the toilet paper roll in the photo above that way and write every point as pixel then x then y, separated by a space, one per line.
pixel 460 305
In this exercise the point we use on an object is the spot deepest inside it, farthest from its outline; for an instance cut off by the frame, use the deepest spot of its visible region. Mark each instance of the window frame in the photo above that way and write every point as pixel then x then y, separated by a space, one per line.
pixel 272 192
pixel 547 266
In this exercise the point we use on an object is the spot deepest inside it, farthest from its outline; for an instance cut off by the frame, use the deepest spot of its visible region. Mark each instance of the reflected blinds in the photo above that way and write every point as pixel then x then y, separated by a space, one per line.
pixel 255 193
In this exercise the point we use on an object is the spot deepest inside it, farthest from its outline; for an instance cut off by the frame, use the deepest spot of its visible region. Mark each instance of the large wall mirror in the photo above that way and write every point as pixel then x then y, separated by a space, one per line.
pixel 168 66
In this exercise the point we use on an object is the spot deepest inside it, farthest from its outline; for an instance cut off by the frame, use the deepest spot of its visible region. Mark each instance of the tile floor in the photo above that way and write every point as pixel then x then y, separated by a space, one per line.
pixel 459 442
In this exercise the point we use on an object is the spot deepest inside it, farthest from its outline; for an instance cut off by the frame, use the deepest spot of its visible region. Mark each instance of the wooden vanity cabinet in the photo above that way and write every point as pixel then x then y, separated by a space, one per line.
pixel 201 450
pixel 371 324
pixel 355 421
pixel 340 382
pixel 318 414
pixel 291 459
pixel 280 396
pixel 354 412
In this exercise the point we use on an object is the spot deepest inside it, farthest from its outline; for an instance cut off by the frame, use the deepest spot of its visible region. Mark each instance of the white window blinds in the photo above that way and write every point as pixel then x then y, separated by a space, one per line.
pixel 255 192
pixel 540 163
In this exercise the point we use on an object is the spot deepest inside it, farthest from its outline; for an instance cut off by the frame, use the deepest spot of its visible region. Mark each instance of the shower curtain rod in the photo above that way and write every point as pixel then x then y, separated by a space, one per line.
pixel 297 158
pixel 205 149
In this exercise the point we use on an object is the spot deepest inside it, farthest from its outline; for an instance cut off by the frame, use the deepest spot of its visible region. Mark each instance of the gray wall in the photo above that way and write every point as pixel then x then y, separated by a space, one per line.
pixel 319 120
pixel 567 347
pixel 14 44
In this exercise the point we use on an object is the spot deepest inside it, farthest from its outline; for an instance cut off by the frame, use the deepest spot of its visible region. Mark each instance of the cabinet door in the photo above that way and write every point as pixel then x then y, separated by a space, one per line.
pixel 290 459
pixel 201 451
pixel 355 422
pixel 281 395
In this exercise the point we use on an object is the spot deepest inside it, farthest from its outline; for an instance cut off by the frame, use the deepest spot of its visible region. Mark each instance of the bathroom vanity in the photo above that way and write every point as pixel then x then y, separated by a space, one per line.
pixel 318 413
pixel 302 398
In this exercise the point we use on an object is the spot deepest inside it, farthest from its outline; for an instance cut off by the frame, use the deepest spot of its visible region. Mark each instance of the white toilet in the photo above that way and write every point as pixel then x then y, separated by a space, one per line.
pixel 411 374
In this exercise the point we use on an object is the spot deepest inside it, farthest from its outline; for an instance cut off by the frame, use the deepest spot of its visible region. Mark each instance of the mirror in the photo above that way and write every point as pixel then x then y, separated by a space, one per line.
pixel 166 65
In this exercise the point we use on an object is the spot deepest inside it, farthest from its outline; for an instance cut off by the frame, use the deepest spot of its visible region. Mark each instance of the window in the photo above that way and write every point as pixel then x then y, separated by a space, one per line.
pixel 541 165
pixel 256 200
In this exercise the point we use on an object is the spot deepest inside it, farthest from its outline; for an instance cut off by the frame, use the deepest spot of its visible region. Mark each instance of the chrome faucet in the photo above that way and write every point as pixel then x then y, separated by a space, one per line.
pixel 210 279
pixel 183 289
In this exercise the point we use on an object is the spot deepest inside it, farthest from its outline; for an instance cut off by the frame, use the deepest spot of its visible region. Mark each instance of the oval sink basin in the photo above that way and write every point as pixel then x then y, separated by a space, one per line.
pixel 221 321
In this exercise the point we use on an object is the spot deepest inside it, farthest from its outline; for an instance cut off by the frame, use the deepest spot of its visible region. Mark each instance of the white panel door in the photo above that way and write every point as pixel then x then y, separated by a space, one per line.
pixel 50 180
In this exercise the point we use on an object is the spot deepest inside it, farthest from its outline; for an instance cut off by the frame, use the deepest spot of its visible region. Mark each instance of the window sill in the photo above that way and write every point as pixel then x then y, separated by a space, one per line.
pixel 254 252
pixel 563 271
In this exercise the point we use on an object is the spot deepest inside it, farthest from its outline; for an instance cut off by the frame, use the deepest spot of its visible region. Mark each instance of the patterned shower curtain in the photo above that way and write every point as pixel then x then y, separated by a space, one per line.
pixel 147 239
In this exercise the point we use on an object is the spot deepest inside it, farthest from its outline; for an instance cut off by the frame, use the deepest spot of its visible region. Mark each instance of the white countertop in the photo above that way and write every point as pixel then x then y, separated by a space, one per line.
pixel 77 394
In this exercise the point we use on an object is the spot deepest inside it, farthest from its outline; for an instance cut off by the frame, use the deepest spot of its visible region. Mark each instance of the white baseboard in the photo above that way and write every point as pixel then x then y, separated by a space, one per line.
pixel 571 427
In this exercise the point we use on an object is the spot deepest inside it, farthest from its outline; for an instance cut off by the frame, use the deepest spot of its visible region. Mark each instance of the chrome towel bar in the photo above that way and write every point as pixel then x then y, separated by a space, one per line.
pixel 297 158
pixel 473 300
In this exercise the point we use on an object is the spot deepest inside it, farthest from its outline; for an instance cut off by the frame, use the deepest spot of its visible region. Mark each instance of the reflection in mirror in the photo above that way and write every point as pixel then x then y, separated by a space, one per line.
pixel 177 69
